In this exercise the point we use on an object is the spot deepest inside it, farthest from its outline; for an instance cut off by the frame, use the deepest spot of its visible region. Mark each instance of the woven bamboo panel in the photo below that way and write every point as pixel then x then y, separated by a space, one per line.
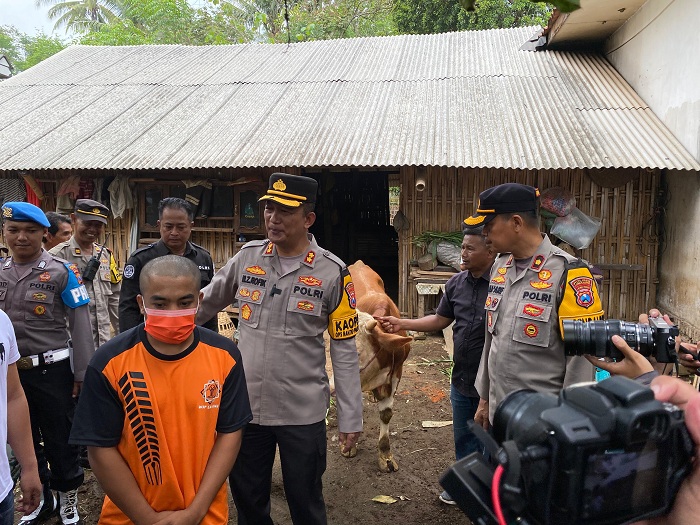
pixel 627 236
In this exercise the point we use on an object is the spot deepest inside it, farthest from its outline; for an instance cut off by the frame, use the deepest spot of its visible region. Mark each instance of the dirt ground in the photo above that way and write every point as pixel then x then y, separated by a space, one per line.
pixel 350 484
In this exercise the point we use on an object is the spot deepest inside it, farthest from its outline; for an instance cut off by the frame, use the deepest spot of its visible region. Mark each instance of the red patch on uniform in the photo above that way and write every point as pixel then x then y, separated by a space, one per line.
pixel 489 317
pixel 533 310
pixel 255 270
pixel 350 290
pixel 583 289
pixel 488 302
pixel 502 271
pixel 310 257
pixel 255 295
pixel 246 312
pixel 306 306
pixel 540 285
pixel 499 279
pixel 537 262
pixel 268 248
pixel 531 330
pixel 544 275
pixel 40 309
pixel 309 280
pixel 244 292
pixel 45 277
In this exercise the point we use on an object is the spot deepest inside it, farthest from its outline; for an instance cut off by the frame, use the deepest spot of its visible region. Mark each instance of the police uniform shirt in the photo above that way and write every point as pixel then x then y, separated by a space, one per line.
pixel 103 289
pixel 281 322
pixel 129 312
pixel 524 310
pixel 48 305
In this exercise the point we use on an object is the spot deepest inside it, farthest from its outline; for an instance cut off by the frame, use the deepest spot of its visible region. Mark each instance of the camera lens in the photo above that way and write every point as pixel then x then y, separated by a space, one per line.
pixel 518 416
pixel 594 337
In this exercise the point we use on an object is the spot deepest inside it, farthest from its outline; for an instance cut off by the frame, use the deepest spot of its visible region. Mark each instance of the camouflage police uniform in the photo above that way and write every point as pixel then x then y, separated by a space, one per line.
pixel 129 312
pixel 524 312
pixel 103 289
pixel 48 307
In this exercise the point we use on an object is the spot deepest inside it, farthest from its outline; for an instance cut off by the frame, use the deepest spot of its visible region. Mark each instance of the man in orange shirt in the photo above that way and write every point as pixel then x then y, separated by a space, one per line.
pixel 163 407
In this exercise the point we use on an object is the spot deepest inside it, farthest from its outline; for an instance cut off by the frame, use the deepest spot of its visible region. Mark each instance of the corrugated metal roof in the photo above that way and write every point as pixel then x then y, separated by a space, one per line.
pixel 470 99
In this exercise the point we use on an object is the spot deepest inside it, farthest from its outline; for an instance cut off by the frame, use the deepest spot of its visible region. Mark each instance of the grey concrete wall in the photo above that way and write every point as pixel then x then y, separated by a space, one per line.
pixel 656 51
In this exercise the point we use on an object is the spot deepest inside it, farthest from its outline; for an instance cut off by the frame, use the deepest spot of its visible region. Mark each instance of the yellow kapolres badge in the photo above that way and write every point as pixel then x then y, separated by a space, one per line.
pixel 581 301
pixel 342 323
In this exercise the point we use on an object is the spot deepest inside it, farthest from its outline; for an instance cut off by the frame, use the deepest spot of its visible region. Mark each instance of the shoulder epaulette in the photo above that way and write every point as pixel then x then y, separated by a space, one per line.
pixel 254 243
pixel 337 260
pixel 143 248
pixel 199 247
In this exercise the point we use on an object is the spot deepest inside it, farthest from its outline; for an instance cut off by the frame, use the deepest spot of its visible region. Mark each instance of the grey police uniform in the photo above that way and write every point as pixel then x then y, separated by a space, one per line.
pixel 103 289
pixel 523 346
pixel 281 322
pixel 48 306
pixel 129 312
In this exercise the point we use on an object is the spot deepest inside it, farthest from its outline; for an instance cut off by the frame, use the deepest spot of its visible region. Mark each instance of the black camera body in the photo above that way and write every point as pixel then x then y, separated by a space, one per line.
pixel 658 338
pixel 604 453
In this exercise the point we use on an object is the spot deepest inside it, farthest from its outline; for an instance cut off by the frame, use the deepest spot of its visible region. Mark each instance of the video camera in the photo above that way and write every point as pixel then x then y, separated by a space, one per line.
pixel 658 338
pixel 604 453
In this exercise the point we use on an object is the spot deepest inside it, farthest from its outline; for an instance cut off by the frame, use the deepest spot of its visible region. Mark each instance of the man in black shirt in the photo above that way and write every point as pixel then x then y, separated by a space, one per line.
pixel 175 220
pixel 463 302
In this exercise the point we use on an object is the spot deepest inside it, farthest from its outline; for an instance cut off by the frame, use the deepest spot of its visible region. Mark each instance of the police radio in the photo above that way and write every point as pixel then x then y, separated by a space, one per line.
pixel 94 263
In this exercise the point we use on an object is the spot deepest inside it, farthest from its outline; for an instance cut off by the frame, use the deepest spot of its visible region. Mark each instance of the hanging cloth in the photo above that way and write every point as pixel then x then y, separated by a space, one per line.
pixel 121 197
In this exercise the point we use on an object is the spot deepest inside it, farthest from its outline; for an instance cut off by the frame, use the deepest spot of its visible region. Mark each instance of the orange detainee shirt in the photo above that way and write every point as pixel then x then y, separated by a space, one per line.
pixel 163 414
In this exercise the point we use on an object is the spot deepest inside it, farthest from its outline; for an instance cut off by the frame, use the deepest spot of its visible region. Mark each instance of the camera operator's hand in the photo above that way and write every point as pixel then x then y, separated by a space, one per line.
pixel 687 356
pixel 481 417
pixel 633 365
pixel 686 508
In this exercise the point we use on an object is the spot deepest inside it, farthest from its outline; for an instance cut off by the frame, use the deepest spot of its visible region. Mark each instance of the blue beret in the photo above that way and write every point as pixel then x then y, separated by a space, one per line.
pixel 24 212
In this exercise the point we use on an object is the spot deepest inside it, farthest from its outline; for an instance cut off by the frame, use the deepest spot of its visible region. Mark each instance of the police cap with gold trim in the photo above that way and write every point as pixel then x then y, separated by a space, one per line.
pixel 505 198
pixel 90 210
pixel 291 190
pixel 24 212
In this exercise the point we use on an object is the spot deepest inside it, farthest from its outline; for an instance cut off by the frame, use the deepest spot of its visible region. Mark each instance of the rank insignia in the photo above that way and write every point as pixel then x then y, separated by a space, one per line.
pixel 244 292
pixel 537 262
pixel 583 289
pixel 510 260
pixel 350 290
pixel 268 248
pixel 533 310
pixel 40 309
pixel 306 306
pixel 310 257
pixel 255 270
pixel 499 279
pixel 544 275
pixel 246 312
pixel 309 280
pixel 39 296
pixel 540 285
pixel 531 330
pixel 45 277
pixel 502 271
pixel 488 301
pixel 77 251
pixel 255 295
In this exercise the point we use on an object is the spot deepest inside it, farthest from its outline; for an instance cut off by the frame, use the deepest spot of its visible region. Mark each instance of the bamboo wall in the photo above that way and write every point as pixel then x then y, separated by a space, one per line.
pixel 626 247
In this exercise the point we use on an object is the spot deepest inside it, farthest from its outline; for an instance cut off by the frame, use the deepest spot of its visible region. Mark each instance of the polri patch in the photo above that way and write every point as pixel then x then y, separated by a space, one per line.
pixel 540 285
pixel 129 271
pixel 350 290
pixel 583 290
pixel 256 270
pixel 544 275
pixel 310 280
pixel 40 309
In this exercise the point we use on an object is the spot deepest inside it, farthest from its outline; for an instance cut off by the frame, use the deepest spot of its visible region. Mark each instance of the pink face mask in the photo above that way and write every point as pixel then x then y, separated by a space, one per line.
pixel 170 326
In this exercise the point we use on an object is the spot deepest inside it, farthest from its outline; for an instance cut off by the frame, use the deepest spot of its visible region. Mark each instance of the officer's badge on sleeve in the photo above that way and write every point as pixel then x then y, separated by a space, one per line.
pixel 342 323
pixel 581 300
pixel 74 294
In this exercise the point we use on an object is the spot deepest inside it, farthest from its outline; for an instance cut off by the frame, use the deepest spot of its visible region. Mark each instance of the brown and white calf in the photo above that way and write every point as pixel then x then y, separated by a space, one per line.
pixel 381 354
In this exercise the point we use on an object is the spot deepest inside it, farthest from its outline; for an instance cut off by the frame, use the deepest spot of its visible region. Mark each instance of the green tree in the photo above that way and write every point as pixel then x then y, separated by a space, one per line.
pixel 439 16
pixel 24 51
pixel 82 15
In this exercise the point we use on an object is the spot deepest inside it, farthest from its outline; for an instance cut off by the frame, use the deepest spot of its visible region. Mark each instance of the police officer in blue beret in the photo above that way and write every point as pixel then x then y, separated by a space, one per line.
pixel 46 301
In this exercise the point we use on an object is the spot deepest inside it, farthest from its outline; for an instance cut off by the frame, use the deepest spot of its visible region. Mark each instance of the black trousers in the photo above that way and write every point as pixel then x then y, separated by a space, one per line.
pixel 303 458
pixel 49 391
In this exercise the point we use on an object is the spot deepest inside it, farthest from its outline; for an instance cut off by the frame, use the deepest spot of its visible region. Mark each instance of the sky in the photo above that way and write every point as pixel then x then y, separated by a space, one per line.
pixel 26 17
